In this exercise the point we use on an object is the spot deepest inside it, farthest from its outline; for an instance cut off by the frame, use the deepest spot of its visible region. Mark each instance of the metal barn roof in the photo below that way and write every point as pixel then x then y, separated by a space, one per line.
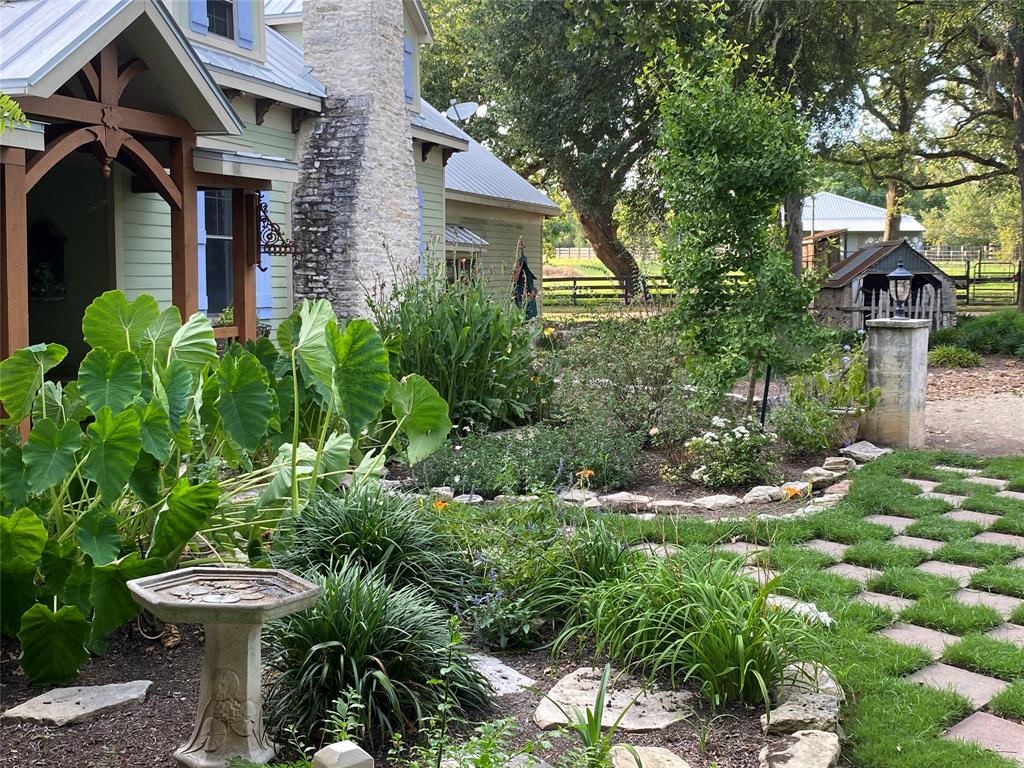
pixel 277 8
pixel 456 234
pixel 429 119
pixel 827 210
pixel 479 173
pixel 880 258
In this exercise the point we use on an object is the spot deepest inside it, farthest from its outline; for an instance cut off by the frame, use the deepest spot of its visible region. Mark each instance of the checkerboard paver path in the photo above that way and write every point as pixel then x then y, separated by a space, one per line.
pixel 990 732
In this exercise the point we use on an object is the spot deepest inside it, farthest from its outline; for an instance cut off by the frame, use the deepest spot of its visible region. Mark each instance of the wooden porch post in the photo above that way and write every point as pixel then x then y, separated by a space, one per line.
pixel 13 253
pixel 184 231
pixel 244 256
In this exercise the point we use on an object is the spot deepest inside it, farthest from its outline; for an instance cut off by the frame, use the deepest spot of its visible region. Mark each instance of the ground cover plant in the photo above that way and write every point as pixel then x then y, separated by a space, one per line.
pixel 1000 332
pixel 949 356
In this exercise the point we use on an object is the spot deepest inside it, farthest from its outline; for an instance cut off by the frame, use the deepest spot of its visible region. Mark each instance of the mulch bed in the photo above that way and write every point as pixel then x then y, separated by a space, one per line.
pixel 997 375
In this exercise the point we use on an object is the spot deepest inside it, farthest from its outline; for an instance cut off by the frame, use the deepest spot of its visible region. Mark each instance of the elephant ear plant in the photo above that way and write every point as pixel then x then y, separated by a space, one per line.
pixel 163 452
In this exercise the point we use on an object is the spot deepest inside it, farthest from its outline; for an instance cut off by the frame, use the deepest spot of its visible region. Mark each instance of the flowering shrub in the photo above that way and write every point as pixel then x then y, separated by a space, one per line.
pixel 729 454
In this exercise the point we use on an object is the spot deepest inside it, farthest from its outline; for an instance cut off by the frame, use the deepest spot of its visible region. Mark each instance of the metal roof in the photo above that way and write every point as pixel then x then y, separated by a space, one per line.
pixel 456 234
pixel 274 8
pixel 880 258
pixel 284 68
pixel 429 119
pixel 827 210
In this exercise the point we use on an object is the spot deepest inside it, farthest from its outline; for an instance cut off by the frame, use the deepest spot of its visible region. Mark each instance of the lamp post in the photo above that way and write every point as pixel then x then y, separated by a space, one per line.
pixel 899 289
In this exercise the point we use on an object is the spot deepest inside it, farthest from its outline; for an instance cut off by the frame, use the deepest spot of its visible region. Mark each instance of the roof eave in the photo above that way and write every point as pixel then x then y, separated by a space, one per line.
pixel 501 202
pixel 452 142
pixel 225 78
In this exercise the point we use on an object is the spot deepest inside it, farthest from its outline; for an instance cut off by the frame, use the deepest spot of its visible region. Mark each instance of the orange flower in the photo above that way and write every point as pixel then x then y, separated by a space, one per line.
pixel 585 474
pixel 440 505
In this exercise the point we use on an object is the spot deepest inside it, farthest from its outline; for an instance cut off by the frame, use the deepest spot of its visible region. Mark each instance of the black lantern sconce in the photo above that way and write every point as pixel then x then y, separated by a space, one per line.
pixel 899 289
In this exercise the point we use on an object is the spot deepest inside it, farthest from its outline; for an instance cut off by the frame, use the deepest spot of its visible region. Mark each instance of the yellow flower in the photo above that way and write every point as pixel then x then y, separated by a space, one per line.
pixel 440 505
pixel 585 474
pixel 549 331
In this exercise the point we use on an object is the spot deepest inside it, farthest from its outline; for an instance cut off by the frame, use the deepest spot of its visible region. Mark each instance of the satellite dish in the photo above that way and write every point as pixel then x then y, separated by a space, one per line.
pixel 462 111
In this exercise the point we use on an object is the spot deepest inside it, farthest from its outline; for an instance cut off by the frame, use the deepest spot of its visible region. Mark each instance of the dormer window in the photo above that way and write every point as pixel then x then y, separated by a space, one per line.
pixel 221 17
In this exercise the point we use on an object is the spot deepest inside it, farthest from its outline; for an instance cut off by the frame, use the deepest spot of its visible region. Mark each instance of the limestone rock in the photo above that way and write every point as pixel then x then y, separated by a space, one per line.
pixel 506 499
pixel 803 711
pixel 625 501
pixel 342 754
pixel 806 677
pixel 719 501
pixel 763 494
pixel 503 679
pixel 809 611
pixel 656 550
pixel 796 488
pixel 591 504
pixel 839 489
pixel 864 451
pixel 652 710
pixel 671 506
pixel 839 464
pixel 819 477
pixel 803 749
pixel 650 757
pixel 443 492
pixel 528 761
pixel 66 706
pixel 469 498
pixel 577 495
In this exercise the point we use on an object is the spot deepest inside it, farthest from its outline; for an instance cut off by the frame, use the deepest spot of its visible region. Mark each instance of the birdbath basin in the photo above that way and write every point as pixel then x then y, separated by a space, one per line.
pixel 232 604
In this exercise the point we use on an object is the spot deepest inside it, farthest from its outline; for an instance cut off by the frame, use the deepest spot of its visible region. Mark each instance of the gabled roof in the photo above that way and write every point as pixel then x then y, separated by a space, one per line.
pixel 431 125
pixel 285 68
pixel 880 258
pixel 44 42
pixel 827 210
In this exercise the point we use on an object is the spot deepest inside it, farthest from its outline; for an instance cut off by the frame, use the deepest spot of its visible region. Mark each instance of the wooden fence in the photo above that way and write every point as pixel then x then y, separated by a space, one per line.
pixel 986 283
pixel 603 289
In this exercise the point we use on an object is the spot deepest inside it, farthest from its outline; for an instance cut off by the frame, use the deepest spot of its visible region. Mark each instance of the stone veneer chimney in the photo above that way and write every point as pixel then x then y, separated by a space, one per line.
pixel 355 214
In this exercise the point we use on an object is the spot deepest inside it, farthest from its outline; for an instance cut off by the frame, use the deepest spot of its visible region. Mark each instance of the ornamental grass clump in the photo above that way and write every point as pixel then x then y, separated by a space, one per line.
pixel 388 645
pixel 693 620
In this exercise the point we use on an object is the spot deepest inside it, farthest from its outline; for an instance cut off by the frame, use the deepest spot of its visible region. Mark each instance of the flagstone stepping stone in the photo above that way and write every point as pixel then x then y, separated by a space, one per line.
pixel 66 706
pixel 625 501
pixel 577 495
pixel 951 499
pixel 879 600
pixel 1017 495
pixel 656 550
pixel 863 451
pixel 1018 563
pixel 1002 603
pixel 931 640
pixel 760 575
pixel 819 477
pixel 763 494
pixel 958 470
pixel 969 516
pixel 913 542
pixel 898 524
pixel 926 486
pixel 990 732
pixel 962 573
pixel 650 757
pixel 831 548
pixel 801 712
pixel 651 710
pixel 1009 633
pixel 805 677
pixel 991 482
pixel 839 464
pixel 839 489
pixel 504 679
pixel 469 498
pixel 809 611
pixel 803 749
pixel 992 537
pixel 671 507
pixel 741 548
pixel 855 572
pixel 719 501
pixel 977 689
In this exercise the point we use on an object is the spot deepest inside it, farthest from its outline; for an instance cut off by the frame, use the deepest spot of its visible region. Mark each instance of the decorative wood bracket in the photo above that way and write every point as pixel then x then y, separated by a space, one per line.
pixel 262 107
pixel 425 148
pixel 298 115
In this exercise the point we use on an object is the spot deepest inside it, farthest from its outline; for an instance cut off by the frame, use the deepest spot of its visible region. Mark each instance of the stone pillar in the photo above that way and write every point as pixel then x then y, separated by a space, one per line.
pixel 230 721
pixel 897 354
pixel 355 213
pixel 342 754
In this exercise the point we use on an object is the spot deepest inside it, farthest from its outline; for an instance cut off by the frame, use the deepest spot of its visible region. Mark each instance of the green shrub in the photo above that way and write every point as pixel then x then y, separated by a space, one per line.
pixel 388 532
pixel 953 357
pixel 730 454
pixel 999 332
pixel 475 349
pixel 807 426
pixel 388 644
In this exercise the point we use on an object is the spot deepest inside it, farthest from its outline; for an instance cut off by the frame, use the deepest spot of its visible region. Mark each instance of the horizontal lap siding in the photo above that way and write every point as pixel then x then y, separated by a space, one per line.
pixel 430 179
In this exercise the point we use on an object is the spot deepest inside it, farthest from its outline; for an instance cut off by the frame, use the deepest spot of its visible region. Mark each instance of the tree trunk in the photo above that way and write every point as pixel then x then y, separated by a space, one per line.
pixel 1013 35
pixel 893 204
pixel 794 208
pixel 601 230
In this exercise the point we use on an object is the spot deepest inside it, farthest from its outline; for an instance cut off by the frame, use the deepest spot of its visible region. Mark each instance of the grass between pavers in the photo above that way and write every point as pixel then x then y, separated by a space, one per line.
pixel 941 528
pixel 1004 468
pixel 1011 522
pixel 986 655
pixel 1017 616
pixel 950 615
pixel 975 553
pixel 1003 579
pixel 882 554
pixel 885 495
pixel 964 487
pixel 1016 484
pixel 994 505
pixel 1010 702
pixel 912 584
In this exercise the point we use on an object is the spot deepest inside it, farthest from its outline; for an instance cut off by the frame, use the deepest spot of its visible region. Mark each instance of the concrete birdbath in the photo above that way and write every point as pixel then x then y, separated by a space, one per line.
pixel 232 604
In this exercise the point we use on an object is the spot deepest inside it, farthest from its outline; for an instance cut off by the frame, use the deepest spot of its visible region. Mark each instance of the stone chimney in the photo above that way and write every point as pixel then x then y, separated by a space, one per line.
pixel 355 214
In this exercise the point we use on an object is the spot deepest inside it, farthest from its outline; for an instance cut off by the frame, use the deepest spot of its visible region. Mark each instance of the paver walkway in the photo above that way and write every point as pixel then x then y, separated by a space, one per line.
pixel 982 728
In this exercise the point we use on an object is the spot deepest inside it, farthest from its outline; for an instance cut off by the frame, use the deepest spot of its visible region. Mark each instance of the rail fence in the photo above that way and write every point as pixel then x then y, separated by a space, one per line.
pixel 596 289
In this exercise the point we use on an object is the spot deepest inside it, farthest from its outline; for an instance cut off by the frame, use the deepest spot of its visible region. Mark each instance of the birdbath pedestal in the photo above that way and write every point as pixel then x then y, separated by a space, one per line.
pixel 231 604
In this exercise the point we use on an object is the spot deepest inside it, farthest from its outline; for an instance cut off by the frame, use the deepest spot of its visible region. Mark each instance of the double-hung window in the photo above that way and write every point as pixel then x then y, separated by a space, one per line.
pixel 219 288
pixel 221 17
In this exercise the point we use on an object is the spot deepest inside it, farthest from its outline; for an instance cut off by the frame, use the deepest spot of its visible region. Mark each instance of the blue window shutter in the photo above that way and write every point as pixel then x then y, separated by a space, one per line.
pixel 264 290
pixel 410 89
pixel 246 27
pixel 204 302
pixel 198 19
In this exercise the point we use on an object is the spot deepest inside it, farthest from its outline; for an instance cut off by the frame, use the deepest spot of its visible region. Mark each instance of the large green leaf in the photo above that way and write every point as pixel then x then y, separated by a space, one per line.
pixel 21 376
pixel 361 372
pixel 421 413
pixel 98 537
pixel 114 444
pixel 280 485
pixel 57 563
pixel 111 600
pixel 114 382
pixel 244 404
pixel 156 339
pixel 77 586
pixel 14 488
pixel 17 593
pixel 60 402
pixel 145 480
pixel 334 459
pixel 155 429
pixel 115 324
pixel 305 334
pixel 188 510
pixel 52 644
pixel 22 534
pixel 177 384
pixel 49 454
pixel 193 344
